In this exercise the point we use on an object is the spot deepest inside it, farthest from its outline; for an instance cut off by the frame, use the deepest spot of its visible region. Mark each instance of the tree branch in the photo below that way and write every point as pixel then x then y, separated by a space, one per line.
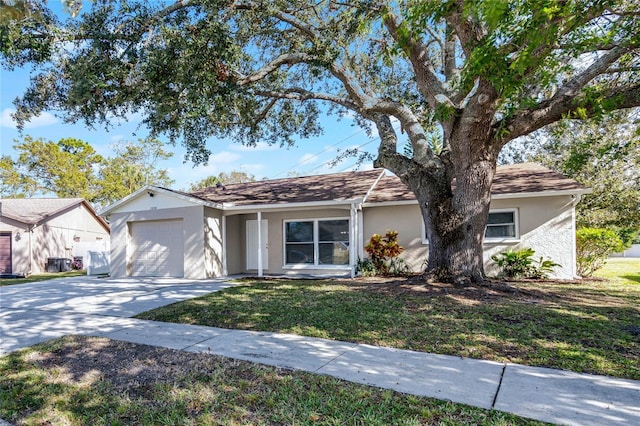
pixel 530 121
pixel 299 94
pixel 469 33
pixel 428 83
pixel 284 59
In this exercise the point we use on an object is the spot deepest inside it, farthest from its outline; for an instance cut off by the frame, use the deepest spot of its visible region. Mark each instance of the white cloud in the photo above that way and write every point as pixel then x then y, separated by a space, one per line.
pixel 260 146
pixel 307 159
pixel 44 119
pixel 185 174
pixel 224 158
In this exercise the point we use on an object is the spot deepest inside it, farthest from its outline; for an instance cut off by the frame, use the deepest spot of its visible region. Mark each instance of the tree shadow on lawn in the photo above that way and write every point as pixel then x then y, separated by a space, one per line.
pixel 574 327
pixel 635 278
pixel 566 325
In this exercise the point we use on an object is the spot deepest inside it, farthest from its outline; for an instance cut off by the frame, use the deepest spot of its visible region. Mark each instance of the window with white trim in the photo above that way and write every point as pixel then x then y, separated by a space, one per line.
pixel 316 242
pixel 502 224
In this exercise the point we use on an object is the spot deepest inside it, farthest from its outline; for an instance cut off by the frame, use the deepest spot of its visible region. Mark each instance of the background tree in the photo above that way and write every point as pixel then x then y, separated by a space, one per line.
pixel 134 165
pixel 234 176
pixel 605 156
pixel 66 168
pixel 72 168
pixel 205 183
pixel 12 183
pixel 477 73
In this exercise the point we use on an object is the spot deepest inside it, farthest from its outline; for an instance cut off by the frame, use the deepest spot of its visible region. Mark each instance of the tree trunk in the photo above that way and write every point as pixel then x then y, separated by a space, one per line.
pixel 454 192
pixel 455 223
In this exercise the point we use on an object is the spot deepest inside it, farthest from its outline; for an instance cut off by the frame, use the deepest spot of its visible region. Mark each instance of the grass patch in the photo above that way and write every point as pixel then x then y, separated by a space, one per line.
pixel 42 277
pixel 621 270
pixel 590 326
pixel 84 380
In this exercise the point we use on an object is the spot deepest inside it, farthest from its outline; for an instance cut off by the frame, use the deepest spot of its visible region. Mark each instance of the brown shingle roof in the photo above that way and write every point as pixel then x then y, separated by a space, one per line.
pixel 513 179
pixel 510 179
pixel 308 189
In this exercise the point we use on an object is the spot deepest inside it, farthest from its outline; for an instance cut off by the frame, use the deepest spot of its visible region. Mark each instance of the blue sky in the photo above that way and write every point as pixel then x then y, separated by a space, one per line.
pixel 307 157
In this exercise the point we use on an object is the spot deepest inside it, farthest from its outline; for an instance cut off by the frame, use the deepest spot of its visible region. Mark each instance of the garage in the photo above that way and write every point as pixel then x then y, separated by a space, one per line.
pixel 156 248
pixel 5 253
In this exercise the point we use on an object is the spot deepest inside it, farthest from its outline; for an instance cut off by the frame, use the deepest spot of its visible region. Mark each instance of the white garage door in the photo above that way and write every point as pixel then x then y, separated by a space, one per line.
pixel 156 249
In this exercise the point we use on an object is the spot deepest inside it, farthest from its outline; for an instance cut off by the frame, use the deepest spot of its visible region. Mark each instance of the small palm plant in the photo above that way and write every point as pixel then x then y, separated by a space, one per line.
pixel 520 264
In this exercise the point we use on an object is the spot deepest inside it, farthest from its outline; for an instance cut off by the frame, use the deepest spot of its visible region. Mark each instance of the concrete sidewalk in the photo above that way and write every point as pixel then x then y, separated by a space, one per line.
pixel 544 394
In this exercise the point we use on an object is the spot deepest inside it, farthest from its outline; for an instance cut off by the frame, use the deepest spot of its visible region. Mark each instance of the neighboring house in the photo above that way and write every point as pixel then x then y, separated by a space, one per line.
pixel 633 251
pixel 320 224
pixel 32 230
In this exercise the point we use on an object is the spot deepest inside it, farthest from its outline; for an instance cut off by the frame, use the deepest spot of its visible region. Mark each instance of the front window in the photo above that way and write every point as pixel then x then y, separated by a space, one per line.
pixel 317 242
pixel 501 224
pixel 299 242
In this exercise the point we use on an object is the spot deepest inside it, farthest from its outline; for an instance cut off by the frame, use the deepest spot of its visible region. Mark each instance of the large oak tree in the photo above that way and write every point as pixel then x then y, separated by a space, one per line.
pixel 475 74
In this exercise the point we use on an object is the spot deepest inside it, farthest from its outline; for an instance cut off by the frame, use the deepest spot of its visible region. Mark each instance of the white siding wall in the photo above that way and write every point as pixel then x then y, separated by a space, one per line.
pixel 53 238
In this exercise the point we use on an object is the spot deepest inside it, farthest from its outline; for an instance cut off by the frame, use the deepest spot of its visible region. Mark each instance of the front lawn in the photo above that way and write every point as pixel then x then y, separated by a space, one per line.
pixel 591 326
pixel 94 381
pixel 621 270
pixel 42 277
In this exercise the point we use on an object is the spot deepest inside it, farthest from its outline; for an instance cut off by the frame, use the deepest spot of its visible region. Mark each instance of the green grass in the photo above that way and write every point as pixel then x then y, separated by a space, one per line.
pixel 41 277
pixel 76 381
pixel 621 270
pixel 589 327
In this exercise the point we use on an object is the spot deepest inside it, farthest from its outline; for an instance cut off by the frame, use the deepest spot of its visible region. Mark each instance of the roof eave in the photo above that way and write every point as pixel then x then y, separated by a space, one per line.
pixel 577 191
pixel 109 209
pixel 229 207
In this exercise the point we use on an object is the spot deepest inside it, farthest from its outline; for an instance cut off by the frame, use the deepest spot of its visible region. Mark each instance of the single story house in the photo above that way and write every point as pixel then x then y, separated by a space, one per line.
pixel 32 230
pixel 319 225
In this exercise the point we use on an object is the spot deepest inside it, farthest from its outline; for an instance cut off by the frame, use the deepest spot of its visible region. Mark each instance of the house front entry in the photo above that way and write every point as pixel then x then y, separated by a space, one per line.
pixel 5 254
pixel 252 244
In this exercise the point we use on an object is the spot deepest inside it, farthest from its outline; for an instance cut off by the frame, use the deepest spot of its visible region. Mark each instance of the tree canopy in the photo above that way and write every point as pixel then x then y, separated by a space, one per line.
pixel 476 74
pixel 605 156
pixel 70 168
pixel 66 167
pixel 223 178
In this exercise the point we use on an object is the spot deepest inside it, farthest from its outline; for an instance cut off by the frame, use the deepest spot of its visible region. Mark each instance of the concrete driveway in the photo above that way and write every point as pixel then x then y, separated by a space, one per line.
pixel 36 312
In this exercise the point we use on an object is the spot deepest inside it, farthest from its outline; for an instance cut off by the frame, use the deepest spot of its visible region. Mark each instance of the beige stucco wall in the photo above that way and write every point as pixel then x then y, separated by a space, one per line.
pixel 236 254
pixel 236 237
pixel 160 200
pixel 53 238
pixel 193 238
pixel 19 244
pixel 546 225
pixel 405 219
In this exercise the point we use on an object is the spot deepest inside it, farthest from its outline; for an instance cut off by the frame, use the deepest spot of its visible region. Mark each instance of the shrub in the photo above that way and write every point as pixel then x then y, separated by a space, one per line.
pixel 520 264
pixel 366 268
pixel 383 252
pixel 627 236
pixel 593 246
